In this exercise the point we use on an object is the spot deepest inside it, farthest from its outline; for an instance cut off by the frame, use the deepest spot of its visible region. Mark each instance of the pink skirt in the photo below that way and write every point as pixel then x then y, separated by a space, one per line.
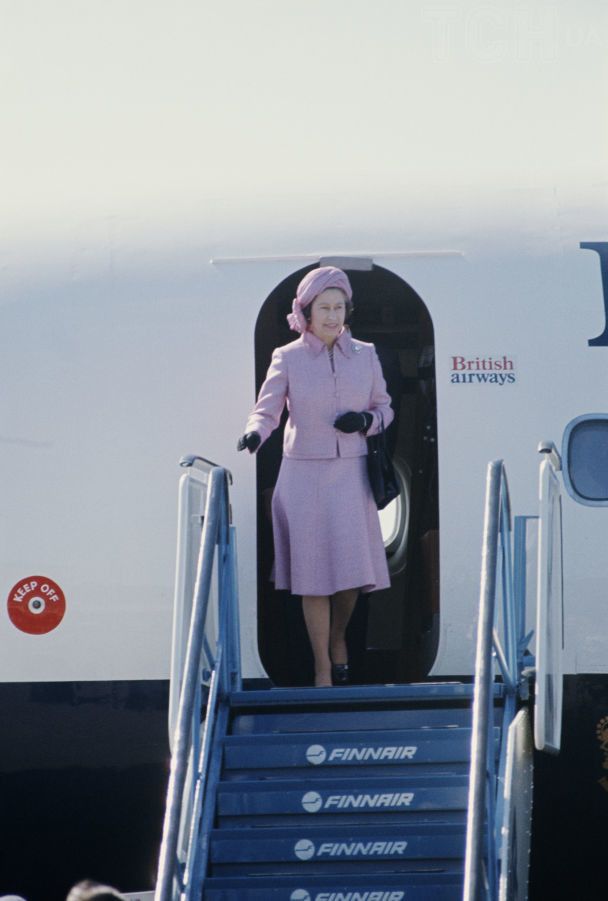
pixel 326 528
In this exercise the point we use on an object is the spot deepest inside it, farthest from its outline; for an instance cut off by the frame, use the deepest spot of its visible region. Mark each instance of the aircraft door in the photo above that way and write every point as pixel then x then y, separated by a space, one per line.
pixel 393 633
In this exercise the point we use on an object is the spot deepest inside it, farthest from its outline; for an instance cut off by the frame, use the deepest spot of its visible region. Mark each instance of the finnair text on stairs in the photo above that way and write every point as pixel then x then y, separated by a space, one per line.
pixel 305 849
pixel 353 849
pixel 313 802
pixel 317 754
pixel 372 895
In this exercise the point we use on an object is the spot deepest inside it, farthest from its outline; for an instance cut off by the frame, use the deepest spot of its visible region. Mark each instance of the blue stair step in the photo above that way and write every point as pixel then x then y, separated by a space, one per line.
pixel 353 868
pixel 352 797
pixel 329 887
pixel 346 819
pixel 350 720
pixel 339 750
pixel 337 849
pixel 421 692
pixel 344 794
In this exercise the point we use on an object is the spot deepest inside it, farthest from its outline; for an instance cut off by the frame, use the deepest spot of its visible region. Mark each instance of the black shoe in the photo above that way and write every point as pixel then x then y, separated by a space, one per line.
pixel 339 673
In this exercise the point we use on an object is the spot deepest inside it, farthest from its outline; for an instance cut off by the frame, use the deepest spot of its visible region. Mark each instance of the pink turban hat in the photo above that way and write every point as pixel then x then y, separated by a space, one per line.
pixel 313 284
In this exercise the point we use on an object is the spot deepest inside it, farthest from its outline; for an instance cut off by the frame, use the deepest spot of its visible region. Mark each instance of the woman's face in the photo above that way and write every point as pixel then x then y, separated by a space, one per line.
pixel 327 314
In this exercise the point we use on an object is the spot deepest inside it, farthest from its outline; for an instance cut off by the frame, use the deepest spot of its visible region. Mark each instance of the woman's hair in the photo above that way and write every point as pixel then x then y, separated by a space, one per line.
pixel 88 890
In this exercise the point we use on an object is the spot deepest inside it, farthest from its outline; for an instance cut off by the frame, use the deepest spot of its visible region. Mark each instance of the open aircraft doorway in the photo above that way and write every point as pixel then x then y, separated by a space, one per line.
pixel 393 633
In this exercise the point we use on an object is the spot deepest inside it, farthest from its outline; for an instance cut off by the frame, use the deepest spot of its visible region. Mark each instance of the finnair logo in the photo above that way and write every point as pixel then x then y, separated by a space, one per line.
pixel 312 802
pixel 300 894
pixel 304 849
pixel 317 754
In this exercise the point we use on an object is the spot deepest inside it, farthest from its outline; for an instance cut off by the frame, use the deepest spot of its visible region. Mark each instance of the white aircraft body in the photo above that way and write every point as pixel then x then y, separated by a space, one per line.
pixel 137 323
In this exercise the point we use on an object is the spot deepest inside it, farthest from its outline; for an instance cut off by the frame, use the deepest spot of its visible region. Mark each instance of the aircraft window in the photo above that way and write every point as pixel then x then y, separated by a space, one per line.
pixel 394 520
pixel 585 459
pixel 389 521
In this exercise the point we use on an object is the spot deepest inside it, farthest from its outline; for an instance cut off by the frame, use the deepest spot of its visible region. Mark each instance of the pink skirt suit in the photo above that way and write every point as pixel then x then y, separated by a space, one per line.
pixel 325 522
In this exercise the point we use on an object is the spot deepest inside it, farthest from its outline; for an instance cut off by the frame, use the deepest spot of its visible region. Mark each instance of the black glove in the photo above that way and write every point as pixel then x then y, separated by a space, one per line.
pixel 353 422
pixel 251 441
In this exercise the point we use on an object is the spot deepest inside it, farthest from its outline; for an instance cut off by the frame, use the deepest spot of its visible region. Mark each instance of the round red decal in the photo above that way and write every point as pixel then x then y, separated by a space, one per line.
pixel 36 605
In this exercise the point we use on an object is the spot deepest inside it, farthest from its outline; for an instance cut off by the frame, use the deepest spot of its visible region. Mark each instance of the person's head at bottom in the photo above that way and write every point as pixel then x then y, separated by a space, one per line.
pixel 89 890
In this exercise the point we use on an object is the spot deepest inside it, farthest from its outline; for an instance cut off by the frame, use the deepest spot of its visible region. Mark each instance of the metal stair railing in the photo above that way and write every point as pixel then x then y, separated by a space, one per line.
pixel 500 637
pixel 550 606
pixel 216 662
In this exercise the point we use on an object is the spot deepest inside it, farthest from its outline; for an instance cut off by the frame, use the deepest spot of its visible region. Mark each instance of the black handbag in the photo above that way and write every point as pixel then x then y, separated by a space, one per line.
pixel 380 469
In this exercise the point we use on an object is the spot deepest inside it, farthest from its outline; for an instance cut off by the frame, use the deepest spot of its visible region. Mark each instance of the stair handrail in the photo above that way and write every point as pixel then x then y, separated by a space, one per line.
pixel 192 490
pixel 550 605
pixel 497 535
pixel 191 745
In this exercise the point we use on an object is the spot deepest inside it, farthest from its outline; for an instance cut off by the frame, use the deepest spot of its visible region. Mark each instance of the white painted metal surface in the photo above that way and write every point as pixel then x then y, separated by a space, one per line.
pixel 549 614
pixel 192 495
pixel 517 814
pixel 198 160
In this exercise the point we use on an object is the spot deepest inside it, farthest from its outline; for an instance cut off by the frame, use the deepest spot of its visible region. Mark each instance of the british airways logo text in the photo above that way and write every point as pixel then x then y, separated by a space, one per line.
pixel 482 370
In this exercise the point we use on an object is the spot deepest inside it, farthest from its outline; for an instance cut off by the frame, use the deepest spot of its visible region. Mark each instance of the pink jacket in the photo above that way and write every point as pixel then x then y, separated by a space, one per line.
pixel 301 375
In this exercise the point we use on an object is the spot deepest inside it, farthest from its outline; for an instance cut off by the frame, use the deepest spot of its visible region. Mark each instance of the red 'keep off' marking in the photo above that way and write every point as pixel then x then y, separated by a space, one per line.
pixel 36 605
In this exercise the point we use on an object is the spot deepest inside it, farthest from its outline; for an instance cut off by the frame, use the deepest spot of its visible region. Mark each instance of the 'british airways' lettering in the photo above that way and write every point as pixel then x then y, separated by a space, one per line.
pixel 485 364
pixel 475 378
pixel 482 370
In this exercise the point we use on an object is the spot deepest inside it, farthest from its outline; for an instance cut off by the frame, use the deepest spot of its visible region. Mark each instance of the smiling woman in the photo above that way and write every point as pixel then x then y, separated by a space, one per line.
pixel 327 314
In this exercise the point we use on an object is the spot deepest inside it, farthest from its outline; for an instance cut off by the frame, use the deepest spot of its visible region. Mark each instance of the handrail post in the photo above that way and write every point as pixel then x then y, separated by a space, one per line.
pixel 235 628
pixel 483 686
pixel 182 856
pixel 223 596
pixel 179 760
pixel 509 622
pixel 520 588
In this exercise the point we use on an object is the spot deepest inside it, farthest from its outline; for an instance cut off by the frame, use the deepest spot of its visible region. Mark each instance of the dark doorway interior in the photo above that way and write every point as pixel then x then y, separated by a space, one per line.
pixel 393 633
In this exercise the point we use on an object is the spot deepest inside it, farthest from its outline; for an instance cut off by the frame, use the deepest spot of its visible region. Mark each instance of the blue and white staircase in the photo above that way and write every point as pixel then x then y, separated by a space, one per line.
pixel 417 792
pixel 346 794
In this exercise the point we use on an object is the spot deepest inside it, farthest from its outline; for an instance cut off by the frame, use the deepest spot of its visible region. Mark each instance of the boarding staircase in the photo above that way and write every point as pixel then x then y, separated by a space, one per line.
pixel 361 793
pixel 363 790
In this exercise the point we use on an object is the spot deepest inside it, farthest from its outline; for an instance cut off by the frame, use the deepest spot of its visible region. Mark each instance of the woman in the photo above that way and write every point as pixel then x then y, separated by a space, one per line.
pixel 327 539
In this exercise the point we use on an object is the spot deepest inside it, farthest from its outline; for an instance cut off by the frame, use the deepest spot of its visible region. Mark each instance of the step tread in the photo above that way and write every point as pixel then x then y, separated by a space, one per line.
pixel 337 880
pixel 353 796
pixel 256 722
pixel 354 831
pixel 326 845
pixel 256 869
pixel 343 783
pixel 379 748
pixel 426 886
pixel 364 694
pixel 346 819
